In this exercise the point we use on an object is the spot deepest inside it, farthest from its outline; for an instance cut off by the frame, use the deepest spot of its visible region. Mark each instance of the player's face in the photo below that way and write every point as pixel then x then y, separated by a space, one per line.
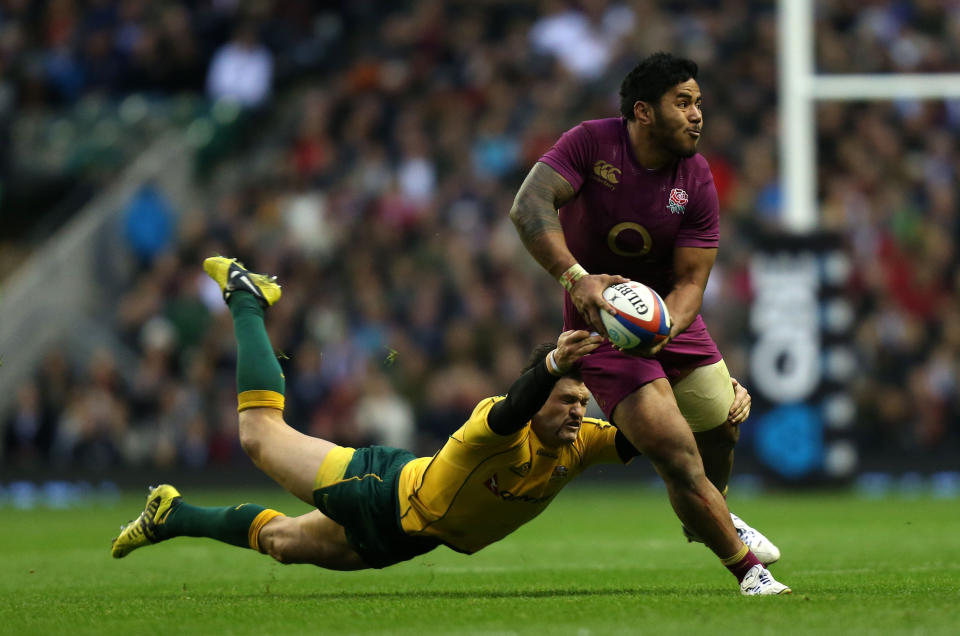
pixel 679 119
pixel 558 422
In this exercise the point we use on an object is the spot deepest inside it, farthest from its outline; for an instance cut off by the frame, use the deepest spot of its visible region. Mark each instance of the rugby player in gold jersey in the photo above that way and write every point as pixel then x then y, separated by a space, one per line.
pixel 377 506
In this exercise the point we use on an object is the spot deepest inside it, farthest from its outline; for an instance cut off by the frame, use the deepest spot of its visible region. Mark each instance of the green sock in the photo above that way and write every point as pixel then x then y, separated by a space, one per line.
pixel 230 524
pixel 257 366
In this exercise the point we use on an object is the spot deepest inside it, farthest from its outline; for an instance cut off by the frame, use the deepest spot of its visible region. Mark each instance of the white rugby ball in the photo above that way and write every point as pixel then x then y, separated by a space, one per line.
pixel 642 317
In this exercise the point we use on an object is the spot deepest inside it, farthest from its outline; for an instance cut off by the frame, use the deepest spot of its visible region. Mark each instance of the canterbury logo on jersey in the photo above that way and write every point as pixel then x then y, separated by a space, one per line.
pixel 606 173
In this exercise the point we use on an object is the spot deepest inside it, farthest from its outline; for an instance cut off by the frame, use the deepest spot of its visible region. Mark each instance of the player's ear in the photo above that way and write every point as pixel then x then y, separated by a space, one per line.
pixel 643 112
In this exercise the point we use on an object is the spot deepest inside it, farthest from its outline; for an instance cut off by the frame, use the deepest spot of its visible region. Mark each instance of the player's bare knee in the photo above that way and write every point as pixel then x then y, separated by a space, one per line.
pixel 280 554
pixel 254 427
pixel 276 541
pixel 251 441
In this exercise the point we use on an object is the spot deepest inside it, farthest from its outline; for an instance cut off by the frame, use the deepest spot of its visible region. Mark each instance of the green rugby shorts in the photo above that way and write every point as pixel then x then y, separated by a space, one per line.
pixel 364 501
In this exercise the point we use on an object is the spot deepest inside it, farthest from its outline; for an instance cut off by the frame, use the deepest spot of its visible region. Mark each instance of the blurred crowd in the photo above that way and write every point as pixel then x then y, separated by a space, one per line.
pixel 53 52
pixel 378 192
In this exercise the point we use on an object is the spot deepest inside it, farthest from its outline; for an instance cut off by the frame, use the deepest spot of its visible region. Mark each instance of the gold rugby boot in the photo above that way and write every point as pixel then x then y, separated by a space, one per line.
pixel 143 530
pixel 232 276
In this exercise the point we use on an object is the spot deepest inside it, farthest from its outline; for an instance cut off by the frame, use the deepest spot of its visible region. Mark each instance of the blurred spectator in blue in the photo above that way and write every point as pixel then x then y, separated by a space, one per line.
pixel 64 72
pixel 148 224
pixel 242 69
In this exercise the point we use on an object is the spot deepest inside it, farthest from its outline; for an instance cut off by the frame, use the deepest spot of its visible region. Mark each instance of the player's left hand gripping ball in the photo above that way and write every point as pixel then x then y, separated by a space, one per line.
pixel 642 318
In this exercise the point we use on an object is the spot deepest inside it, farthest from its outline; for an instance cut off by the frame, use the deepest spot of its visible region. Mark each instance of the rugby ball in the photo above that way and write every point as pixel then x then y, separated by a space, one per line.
pixel 642 317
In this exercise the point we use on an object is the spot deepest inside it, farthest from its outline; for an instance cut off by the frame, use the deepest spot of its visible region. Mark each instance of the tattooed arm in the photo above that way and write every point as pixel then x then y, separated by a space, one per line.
pixel 534 213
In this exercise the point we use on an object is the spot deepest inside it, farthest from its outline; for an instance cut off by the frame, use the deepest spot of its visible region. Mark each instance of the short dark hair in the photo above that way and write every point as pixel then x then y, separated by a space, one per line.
pixel 653 77
pixel 539 354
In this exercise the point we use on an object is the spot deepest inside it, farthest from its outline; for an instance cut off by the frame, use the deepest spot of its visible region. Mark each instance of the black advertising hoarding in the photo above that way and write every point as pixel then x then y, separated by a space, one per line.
pixel 801 359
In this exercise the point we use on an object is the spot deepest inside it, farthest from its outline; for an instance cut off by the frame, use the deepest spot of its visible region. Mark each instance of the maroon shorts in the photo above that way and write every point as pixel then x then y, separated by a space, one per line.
pixel 611 376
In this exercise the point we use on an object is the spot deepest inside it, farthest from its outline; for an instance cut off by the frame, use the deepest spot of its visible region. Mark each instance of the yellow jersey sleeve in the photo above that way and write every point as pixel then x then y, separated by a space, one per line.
pixel 477 431
pixel 598 439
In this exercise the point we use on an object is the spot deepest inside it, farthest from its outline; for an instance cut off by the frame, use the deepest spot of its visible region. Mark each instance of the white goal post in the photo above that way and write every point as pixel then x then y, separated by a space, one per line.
pixel 801 88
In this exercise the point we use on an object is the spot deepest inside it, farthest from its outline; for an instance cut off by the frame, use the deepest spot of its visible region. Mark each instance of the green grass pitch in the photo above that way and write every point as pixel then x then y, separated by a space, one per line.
pixel 608 561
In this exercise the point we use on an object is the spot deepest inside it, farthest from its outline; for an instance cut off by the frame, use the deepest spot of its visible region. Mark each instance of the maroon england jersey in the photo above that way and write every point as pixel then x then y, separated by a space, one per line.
pixel 627 220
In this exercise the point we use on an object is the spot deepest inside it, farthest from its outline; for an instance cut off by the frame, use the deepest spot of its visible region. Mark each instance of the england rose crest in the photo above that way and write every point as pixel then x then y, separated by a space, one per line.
pixel 678 201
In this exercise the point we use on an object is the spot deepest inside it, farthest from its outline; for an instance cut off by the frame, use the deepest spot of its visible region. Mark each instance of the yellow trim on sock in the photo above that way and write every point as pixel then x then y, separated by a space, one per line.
pixel 257 399
pixel 334 466
pixel 736 557
pixel 262 519
pixel 726 489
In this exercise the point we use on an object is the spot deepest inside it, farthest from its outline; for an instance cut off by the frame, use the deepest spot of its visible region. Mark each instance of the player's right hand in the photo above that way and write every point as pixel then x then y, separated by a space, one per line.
pixel 587 296
pixel 573 345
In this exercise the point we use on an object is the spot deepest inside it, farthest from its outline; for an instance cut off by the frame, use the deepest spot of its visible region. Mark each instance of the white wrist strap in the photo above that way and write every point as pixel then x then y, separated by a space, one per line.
pixel 574 273
pixel 552 364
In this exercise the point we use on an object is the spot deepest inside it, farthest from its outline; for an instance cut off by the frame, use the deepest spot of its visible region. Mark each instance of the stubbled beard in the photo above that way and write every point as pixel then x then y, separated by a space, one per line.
pixel 668 141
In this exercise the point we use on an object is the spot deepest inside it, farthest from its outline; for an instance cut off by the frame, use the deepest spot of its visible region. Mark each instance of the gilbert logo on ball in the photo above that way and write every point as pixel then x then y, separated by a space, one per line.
pixel 642 317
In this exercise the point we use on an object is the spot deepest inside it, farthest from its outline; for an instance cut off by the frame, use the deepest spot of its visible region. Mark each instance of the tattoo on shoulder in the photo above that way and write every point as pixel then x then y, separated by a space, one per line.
pixel 550 182
pixel 542 193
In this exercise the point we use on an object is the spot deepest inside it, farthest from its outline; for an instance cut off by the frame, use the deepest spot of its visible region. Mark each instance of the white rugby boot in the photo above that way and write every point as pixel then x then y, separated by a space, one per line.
pixel 761 546
pixel 759 582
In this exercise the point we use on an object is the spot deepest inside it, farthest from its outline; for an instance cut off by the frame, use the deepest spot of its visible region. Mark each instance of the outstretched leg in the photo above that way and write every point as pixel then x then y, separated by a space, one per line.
pixel 289 457
pixel 310 538
pixel 166 515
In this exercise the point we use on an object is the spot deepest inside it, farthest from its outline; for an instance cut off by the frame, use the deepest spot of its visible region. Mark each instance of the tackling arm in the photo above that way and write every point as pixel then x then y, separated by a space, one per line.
pixel 530 392
pixel 526 396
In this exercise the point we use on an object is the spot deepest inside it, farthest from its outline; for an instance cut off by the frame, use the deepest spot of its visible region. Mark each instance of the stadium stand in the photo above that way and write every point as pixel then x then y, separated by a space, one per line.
pixel 374 176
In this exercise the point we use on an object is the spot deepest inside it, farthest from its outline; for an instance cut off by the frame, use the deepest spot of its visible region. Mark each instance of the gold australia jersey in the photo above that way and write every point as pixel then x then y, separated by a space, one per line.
pixel 482 486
